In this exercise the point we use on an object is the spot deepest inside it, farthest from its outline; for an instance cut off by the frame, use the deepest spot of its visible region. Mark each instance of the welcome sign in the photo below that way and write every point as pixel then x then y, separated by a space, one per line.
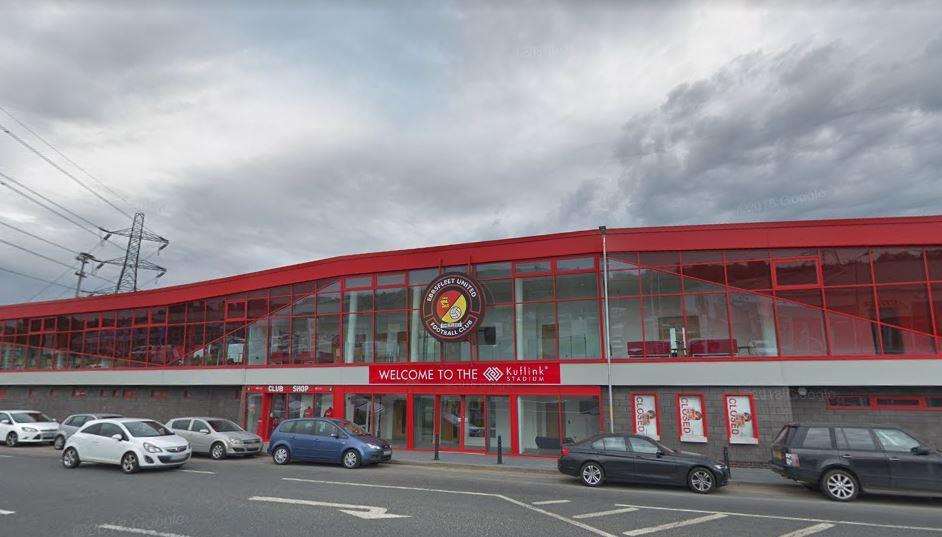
pixel 464 373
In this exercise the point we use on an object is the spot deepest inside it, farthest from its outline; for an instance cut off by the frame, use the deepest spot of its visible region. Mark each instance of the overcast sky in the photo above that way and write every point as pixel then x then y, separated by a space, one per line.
pixel 264 136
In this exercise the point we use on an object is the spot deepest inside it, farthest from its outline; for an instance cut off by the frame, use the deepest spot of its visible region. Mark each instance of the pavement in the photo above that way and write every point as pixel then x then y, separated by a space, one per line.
pixel 239 497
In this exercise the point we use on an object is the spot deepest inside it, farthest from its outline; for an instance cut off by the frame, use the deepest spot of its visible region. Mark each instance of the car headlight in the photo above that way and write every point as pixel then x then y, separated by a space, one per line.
pixel 374 446
pixel 151 448
pixel 30 430
pixel 720 466
pixel 235 442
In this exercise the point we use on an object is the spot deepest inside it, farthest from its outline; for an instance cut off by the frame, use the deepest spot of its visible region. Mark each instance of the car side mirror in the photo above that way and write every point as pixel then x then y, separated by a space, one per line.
pixel 117 437
pixel 334 435
pixel 920 450
pixel 5 422
pixel 204 431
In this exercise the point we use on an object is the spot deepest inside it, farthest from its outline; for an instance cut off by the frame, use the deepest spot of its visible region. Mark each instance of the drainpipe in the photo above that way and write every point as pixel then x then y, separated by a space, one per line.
pixel 607 343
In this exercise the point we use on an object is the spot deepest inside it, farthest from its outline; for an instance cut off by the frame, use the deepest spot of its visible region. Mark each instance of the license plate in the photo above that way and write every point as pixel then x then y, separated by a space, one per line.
pixel 387 452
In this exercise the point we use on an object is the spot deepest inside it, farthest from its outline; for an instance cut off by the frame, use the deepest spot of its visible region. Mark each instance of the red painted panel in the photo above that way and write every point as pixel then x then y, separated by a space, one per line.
pixel 475 373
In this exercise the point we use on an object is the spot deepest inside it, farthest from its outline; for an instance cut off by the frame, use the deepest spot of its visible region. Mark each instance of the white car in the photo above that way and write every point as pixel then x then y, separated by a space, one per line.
pixel 132 443
pixel 26 426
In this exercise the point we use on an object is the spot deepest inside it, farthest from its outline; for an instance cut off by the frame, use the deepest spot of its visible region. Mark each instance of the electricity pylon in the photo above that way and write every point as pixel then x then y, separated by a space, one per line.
pixel 132 262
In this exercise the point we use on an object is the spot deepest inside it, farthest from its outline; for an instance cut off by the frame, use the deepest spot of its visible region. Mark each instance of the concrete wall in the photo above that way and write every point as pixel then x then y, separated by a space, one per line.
pixel 773 408
pixel 132 401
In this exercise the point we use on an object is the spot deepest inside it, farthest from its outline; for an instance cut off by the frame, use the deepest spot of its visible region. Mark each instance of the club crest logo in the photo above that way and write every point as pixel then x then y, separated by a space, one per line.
pixel 453 307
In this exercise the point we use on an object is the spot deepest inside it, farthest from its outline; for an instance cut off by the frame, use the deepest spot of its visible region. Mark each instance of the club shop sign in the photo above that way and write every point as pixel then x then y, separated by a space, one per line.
pixel 453 307
pixel 482 373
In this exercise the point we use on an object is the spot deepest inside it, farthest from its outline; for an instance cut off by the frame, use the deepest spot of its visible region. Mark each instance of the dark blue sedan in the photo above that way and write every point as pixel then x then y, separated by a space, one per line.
pixel 326 440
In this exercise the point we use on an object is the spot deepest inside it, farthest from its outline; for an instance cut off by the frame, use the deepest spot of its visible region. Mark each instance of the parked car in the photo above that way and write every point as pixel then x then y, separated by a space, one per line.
pixel 216 437
pixel 73 423
pixel 26 426
pixel 843 461
pixel 326 440
pixel 639 459
pixel 131 443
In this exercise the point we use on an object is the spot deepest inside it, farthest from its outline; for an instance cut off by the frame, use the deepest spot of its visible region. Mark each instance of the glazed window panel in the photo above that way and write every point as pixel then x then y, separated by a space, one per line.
pixel 303 307
pixel 235 347
pixel 536 331
pixel 624 283
pixel 391 279
pixel 358 338
pixel 539 427
pixel 578 329
pixel 302 337
pixel 357 301
pixel 797 272
pixel 655 282
pixel 898 265
pixel 845 266
pixel 391 299
pixel 422 346
pixel 800 329
pixel 906 306
pixel 422 276
pixel 495 338
pixel 852 335
pixel 195 313
pixel 532 266
pixel 670 260
pixel 663 326
pixel 215 309
pixel 753 324
pixel 328 301
pixel 392 337
pixel 754 274
pixel 533 289
pixel 578 263
pixel 624 316
pixel 327 335
pixel 280 340
pixel 576 286
pixel 714 273
pixel 580 418
pixel 257 351
pixel 499 291
pixel 898 341
pixel 857 301
pixel 707 325
pixel 456 351
pixel 934 261
pixel 937 306
pixel 489 271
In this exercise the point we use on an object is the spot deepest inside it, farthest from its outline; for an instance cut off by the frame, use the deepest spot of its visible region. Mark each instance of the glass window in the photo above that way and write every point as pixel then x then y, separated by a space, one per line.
pixel 327 333
pixel 539 425
pixel 357 282
pixel 800 329
pixel 182 425
pixel 613 443
pixel 423 414
pixel 642 445
pixel 303 306
pixel 934 260
pixel 849 401
pixel 663 326
pixel 500 291
pixel 531 289
pixel 659 259
pixel 852 335
pixel 599 444
pixel 280 343
pixel 355 301
pixel 199 425
pixel 391 299
pixel 536 331
pixel 624 316
pixel 110 429
pixel 753 324
pixel 422 346
pixel 754 274
pixel 456 351
pixel 702 256
pixel 492 270
pixel 324 428
pixel 580 417
pixel 358 338
pixel 576 286
pixel 796 272
pixel 937 306
pixel 391 279
pixel 896 440
pixel 906 306
pixel 422 276
pixel 305 427
pixel 696 275
pixel 898 265
pixel 707 325
pixel 328 299
pixel 844 266
pixel 856 301
pixel 258 342
pixel 533 266
pixel 496 334
pixel 580 263
pixel 578 329
pixel 389 418
pixel 656 282
pixel 623 282
pixel 391 337
pixel 302 338
pixel 817 438
pixel 854 438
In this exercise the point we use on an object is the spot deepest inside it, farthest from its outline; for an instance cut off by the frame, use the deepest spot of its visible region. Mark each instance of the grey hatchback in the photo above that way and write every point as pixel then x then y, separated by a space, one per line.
pixel 73 423
pixel 217 437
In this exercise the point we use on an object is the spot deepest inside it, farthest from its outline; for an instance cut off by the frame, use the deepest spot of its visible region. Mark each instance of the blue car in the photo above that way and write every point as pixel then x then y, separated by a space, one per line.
pixel 326 440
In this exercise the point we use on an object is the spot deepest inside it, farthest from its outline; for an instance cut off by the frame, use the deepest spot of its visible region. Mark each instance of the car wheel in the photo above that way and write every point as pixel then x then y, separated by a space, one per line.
pixel 70 458
pixel 701 480
pixel 592 474
pixel 12 440
pixel 281 455
pixel 840 485
pixel 217 451
pixel 129 464
pixel 350 459
pixel 59 443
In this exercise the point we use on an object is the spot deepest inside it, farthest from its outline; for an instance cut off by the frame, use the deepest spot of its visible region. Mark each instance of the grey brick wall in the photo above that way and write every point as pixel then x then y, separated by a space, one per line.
pixel 926 425
pixel 773 408
pixel 59 401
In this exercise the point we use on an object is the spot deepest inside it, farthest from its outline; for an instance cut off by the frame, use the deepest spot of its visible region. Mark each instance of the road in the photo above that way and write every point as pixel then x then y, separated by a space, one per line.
pixel 255 497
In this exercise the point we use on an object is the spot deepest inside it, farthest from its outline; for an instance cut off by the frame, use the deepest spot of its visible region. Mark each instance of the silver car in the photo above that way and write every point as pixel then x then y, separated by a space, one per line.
pixel 73 423
pixel 217 437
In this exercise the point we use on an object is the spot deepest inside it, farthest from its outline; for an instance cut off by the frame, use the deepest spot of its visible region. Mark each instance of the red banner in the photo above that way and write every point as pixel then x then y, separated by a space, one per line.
pixel 288 388
pixel 464 373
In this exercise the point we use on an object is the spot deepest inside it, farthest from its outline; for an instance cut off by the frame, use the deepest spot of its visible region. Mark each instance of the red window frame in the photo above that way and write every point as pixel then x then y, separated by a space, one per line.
pixel 752 411
pixel 922 403
pixel 817 272
pixel 632 404
pixel 703 410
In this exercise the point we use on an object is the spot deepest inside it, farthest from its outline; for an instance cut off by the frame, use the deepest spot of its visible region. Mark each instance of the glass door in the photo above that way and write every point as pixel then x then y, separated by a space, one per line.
pixel 423 414
pixel 253 411
pixel 450 418
pixel 300 406
pixel 498 422
pixel 475 430
pixel 276 413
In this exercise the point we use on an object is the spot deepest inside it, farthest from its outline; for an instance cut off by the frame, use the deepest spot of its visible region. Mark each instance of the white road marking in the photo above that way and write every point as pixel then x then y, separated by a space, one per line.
pixel 366 512
pixel 2 512
pixel 781 517
pixel 138 531
pixel 6 456
pixel 198 472
pixel 605 513
pixel 550 502
pixel 672 525
pixel 463 492
pixel 810 530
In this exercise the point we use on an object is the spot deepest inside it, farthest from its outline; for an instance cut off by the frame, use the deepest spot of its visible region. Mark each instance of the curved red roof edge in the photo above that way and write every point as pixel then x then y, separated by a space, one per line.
pixel 882 231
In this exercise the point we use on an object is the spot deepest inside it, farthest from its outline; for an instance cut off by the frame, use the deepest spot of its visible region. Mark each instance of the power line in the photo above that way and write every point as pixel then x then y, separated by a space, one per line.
pixel 47 258
pixel 60 276
pixel 37 237
pixel 81 183
pixel 35 278
pixel 64 156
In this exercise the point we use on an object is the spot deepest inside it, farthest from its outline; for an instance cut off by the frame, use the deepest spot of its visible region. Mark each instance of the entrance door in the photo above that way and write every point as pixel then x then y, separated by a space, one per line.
pixel 498 422
pixel 276 413
pixel 449 422
pixel 475 426
pixel 253 412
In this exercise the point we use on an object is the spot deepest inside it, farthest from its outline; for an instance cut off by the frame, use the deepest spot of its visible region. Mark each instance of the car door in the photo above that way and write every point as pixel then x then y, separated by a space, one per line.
pixel 111 450
pixel 329 441
pixel 71 426
pixel 89 443
pixel 858 449
pixel 304 441
pixel 199 440
pixel 181 428
pixel 908 469
pixel 649 465
pixel 6 425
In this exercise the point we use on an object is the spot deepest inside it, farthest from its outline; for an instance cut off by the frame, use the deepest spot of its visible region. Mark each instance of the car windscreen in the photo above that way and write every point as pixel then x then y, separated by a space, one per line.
pixel 30 417
pixel 353 428
pixel 146 429
pixel 224 426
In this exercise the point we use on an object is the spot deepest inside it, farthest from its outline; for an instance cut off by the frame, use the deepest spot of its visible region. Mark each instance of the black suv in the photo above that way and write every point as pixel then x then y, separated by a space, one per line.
pixel 842 461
